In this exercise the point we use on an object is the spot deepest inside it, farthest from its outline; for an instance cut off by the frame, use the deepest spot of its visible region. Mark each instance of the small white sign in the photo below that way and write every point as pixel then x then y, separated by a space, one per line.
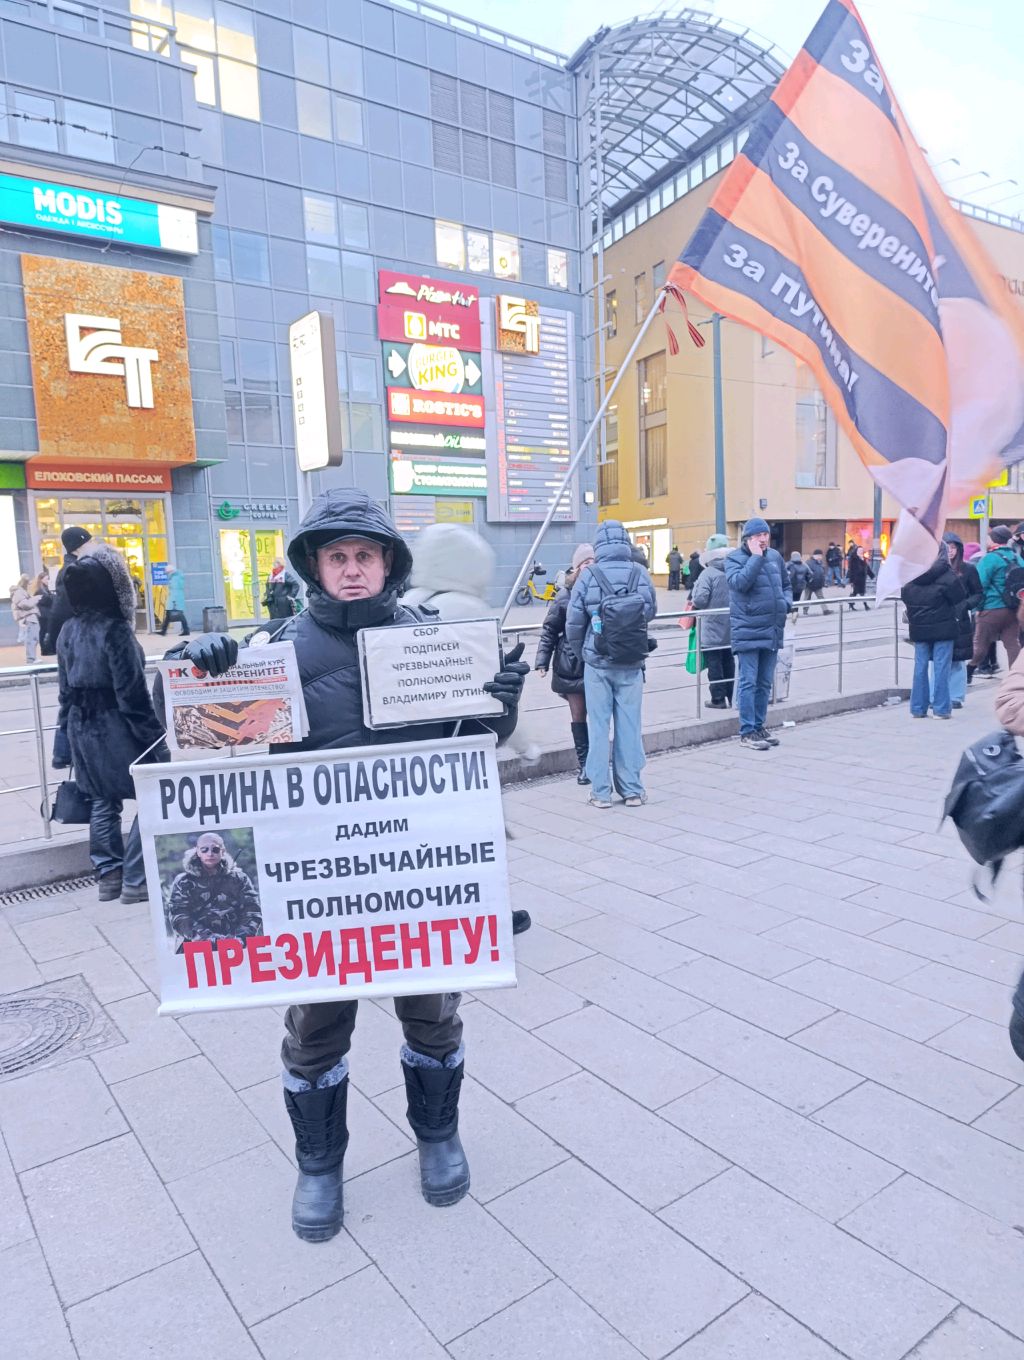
pixel 315 406
pixel 429 672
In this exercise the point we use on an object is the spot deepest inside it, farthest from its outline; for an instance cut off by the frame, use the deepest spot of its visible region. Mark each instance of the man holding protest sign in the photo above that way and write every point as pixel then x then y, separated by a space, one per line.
pixel 354 562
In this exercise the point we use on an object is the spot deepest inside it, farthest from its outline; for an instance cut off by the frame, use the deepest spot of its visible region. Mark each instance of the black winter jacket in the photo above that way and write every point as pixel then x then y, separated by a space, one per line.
pixel 816 569
pixel 935 601
pixel 105 706
pixel 57 615
pixel 555 652
pixel 324 634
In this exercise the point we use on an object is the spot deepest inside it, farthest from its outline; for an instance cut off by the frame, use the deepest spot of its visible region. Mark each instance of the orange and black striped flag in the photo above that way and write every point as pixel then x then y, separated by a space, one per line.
pixel 831 235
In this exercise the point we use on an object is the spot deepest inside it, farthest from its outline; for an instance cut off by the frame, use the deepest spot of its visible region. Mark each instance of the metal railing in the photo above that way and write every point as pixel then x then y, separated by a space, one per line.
pixel 834 646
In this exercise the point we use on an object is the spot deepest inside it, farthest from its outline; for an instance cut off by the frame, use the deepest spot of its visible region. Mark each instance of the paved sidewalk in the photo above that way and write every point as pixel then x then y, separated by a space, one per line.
pixel 753 1100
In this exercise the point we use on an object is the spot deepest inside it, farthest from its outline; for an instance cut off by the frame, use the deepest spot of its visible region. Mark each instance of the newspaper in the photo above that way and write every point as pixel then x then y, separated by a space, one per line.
pixel 257 702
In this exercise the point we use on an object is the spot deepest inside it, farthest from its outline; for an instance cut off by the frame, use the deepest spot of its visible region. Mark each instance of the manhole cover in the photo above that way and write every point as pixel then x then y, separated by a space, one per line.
pixel 51 1024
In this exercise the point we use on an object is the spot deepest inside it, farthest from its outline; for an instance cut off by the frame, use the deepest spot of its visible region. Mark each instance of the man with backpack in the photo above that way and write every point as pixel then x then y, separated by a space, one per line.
pixel 816 584
pixel 609 609
pixel 760 598
pixel 997 618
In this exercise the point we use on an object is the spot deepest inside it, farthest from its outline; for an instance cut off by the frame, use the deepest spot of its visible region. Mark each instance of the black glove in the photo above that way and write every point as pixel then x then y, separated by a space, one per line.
pixel 507 685
pixel 213 653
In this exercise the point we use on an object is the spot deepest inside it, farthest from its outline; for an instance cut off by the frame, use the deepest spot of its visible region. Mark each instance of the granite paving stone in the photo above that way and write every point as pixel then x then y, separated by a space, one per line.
pixel 600 1126
pixel 973 956
pixel 964 1252
pixel 55 937
pixel 187 1117
pixel 222 1208
pixel 946 1084
pixel 537 999
pixel 1005 1120
pixel 176 1312
pixel 965 1334
pixel 963 991
pixel 852 1296
pixel 846 914
pixel 109 1197
pixel 424 1251
pixel 364 1315
pixel 106 972
pixel 778 1069
pixel 34 1327
pixel 618 1258
pixel 756 1330
pixel 960 1159
pixel 552 1319
pixel 753 953
pixel 810 1164
pixel 647 1002
pixel 508 1060
pixel 982 1043
pixel 881 1003
pixel 629 944
pixel 57 1110
pixel 151 1040
pixel 728 909
pixel 243 1045
pixel 856 952
pixel 638 1064
pixel 765 1004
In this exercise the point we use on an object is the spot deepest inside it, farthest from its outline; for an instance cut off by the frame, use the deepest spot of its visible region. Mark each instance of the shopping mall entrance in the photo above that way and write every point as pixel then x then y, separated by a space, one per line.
pixel 246 559
pixel 135 525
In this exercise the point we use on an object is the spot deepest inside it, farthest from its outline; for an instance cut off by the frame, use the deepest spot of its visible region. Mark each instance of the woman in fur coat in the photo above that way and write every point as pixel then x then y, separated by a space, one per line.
pixel 106 712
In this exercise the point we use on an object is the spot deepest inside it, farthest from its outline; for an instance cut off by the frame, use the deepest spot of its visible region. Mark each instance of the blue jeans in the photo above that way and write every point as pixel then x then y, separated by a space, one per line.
pixel 833 577
pixel 938 655
pixel 957 682
pixel 614 695
pixel 757 670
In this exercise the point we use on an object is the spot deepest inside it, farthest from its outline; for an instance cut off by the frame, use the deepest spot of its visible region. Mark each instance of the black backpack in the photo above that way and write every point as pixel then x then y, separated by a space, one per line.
pixel 620 624
pixel 986 801
pixel 1013 584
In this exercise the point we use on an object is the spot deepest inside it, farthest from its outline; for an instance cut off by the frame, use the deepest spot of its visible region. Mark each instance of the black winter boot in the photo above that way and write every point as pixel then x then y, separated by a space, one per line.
pixel 321 1137
pixel 581 741
pixel 110 886
pixel 433 1110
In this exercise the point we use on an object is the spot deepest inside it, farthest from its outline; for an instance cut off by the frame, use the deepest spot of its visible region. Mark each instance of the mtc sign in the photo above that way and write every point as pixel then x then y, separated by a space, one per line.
pixel 74 211
pixel 429 311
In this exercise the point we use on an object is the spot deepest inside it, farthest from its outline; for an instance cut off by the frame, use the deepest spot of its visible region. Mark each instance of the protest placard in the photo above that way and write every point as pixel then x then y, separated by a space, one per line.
pixel 327 875
pixel 257 701
pixel 429 672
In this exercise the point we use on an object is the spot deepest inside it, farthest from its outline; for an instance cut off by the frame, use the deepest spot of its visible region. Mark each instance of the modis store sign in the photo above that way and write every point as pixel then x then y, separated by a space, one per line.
pixel 428 311
pixel 74 211
pixel 110 367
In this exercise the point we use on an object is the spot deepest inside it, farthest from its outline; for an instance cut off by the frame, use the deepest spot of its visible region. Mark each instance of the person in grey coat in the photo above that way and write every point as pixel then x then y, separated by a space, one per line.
pixel 614 691
pixel 760 598
pixel 712 592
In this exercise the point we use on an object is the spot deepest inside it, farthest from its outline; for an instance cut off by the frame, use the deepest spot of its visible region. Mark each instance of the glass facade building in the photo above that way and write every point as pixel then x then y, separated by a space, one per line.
pixel 284 156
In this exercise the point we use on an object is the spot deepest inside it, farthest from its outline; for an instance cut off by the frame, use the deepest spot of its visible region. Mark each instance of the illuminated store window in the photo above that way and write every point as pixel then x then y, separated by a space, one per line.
pixel 478 252
pixel 558 268
pixel 449 245
pixel 215 38
pixel 506 257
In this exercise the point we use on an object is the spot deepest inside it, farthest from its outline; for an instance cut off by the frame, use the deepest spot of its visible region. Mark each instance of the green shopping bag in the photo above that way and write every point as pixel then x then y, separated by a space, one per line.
pixel 692 665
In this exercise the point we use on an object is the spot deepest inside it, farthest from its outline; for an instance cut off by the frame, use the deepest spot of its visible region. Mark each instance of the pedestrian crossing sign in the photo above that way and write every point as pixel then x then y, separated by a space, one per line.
pixel 979 506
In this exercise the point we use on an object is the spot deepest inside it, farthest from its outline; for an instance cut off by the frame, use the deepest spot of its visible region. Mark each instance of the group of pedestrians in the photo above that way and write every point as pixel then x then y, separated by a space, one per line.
pixel 957 610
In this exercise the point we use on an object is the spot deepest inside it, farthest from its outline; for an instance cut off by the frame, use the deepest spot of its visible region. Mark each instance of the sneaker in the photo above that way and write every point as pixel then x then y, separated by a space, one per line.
pixel 755 741
pixel 636 800
pixel 599 802
pixel 765 735
pixel 943 715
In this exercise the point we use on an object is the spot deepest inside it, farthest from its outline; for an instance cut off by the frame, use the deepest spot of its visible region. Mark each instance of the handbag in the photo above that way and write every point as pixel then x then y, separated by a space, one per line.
pixel 71 807
pixel 986 801
pixel 694 661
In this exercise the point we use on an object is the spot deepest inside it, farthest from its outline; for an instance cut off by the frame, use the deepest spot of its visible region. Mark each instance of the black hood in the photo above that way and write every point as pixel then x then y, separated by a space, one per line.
pixel 100 583
pixel 345 513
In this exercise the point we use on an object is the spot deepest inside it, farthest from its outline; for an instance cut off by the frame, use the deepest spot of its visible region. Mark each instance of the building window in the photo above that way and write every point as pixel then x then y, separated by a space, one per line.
pixel 250 257
pixel 323 270
pixel 658 275
pixel 348 120
pixel 608 471
pixel 216 39
pixel 653 427
pixel 611 314
pixel 506 257
pixel 450 245
pixel 815 434
pixel 478 252
pixel 558 269
pixel 314 107
pixel 641 298
pixel 321 219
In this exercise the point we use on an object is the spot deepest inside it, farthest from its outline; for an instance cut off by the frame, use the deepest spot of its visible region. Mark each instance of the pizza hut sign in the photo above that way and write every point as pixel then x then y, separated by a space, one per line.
pixel 427 311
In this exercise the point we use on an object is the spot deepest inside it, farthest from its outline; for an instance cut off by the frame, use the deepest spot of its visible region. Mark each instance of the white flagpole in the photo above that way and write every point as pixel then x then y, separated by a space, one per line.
pixel 578 455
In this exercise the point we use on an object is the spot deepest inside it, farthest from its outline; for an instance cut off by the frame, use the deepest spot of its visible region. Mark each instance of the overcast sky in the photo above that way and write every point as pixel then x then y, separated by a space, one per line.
pixel 955 66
